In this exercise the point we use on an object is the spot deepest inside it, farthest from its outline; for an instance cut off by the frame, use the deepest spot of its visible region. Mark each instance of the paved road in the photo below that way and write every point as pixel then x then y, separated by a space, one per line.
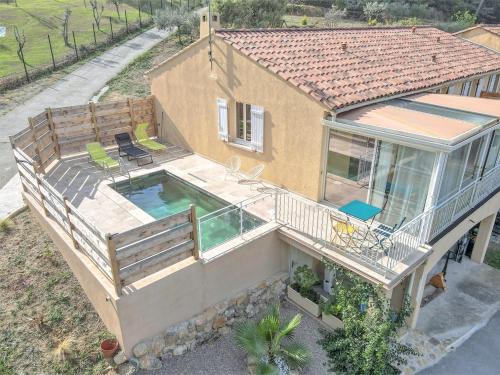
pixel 77 87
pixel 479 355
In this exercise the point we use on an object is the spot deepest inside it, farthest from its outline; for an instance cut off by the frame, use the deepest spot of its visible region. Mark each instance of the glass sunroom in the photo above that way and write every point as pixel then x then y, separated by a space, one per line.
pixel 407 156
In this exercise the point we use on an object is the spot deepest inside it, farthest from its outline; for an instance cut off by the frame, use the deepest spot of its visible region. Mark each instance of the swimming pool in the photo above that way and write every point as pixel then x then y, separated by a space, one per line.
pixel 161 194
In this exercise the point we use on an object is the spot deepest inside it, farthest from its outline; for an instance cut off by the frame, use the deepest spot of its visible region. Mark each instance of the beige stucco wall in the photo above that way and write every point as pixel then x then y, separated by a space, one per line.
pixel 480 36
pixel 293 134
pixel 187 288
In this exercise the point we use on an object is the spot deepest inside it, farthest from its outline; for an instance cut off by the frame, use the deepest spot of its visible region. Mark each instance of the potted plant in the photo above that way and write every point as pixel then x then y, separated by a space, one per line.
pixel 331 313
pixel 269 345
pixel 301 290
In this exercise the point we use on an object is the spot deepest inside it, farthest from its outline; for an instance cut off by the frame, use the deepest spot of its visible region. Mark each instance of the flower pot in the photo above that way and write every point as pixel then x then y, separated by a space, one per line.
pixel 332 321
pixel 109 347
pixel 308 305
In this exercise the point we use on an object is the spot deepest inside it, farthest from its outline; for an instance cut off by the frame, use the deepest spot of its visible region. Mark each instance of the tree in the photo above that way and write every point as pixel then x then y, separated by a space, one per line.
pixel 374 11
pixel 97 12
pixel 251 13
pixel 65 30
pixel 117 3
pixel 464 18
pixel 368 343
pixel 268 344
pixel 334 15
pixel 21 40
pixel 185 21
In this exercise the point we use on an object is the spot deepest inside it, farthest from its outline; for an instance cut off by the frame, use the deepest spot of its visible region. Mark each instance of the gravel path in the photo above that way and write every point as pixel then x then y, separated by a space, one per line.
pixel 222 356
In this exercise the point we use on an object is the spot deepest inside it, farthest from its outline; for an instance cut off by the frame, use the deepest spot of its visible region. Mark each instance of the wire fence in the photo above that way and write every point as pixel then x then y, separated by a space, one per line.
pixel 81 44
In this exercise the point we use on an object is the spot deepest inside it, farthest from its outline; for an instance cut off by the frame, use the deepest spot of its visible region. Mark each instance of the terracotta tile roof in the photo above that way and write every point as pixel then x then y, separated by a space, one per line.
pixel 374 63
pixel 495 29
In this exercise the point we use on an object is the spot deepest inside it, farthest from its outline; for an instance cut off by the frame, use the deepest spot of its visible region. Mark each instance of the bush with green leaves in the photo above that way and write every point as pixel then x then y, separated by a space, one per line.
pixel 368 344
pixel 251 13
pixel 332 307
pixel 269 344
pixel 5 225
pixel 186 21
pixel 304 280
pixel 465 18
pixel 374 10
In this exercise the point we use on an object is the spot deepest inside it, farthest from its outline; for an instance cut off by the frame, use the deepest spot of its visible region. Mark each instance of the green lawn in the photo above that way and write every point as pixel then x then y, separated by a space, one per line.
pixel 38 18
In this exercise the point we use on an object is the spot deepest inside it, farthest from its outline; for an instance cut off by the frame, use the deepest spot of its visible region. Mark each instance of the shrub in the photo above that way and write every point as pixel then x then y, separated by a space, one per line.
pixel 268 343
pixel 304 10
pixel 374 10
pixel 183 19
pixel 368 343
pixel 303 22
pixel 466 18
pixel 5 226
pixel 251 13
pixel 304 280
pixel 334 15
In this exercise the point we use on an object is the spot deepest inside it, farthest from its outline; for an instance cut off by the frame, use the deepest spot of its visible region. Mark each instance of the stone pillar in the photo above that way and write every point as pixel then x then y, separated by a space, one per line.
pixel 483 239
pixel 417 292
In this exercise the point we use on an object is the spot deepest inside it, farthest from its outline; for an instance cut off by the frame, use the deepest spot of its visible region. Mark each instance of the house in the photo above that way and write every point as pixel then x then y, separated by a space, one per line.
pixel 333 116
pixel 483 34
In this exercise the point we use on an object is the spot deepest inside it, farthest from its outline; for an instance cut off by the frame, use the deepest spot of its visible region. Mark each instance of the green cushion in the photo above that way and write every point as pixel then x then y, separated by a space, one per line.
pixel 99 156
pixel 152 145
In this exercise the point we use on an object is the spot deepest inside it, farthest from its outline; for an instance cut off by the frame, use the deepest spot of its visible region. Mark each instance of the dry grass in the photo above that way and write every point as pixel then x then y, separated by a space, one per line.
pixel 130 82
pixel 47 324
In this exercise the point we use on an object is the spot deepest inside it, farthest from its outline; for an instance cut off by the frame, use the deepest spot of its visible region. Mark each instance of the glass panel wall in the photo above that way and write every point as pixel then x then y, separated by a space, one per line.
pixel 492 157
pixel 462 167
pixel 349 164
pixel 401 181
pixel 397 182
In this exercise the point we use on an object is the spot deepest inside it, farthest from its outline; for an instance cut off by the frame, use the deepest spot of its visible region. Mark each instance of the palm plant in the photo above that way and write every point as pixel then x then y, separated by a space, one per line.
pixel 269 343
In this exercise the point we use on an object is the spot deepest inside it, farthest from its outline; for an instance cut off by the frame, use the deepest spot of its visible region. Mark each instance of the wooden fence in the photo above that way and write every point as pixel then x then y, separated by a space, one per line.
pixel 63 131
pixel 123 257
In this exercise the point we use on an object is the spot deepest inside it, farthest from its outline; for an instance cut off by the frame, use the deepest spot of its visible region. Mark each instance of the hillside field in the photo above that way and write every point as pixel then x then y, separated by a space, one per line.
pixel 39 18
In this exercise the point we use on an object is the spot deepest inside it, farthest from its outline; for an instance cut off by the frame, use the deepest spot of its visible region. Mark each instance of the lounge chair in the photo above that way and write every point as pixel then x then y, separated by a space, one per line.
pixel 252 175
pixel 126 148
pixel 99 156
pixel 233 166
pixel 143 138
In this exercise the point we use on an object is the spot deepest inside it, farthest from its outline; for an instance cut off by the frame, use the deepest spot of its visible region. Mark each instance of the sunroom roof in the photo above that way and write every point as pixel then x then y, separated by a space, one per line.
pixel 437 118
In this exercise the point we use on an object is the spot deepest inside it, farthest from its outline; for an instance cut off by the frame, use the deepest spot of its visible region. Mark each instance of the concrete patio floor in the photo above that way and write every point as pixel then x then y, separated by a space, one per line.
pixel 92 193
pixel 471 300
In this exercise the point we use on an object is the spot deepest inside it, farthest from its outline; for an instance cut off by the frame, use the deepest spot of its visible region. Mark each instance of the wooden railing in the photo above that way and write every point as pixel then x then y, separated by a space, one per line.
pixel 144 250
pixel 123 257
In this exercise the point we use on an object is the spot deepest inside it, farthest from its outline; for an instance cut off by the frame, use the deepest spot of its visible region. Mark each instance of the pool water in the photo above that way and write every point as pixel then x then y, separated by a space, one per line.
pixel 161 194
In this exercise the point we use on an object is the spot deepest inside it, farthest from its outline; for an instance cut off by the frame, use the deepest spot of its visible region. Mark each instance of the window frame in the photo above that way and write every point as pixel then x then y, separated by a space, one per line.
pixel 246 122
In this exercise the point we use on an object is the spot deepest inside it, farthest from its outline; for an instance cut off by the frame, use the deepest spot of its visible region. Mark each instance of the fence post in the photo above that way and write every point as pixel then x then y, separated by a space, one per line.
pixel 155 120
pixel 37 179
pixel 111 27
pixel 94 121
pixel 53 132
pixel 126 21
pixel 74 43
pixel 151 8
pixel 93 30
pixel 70 225
pixel 35 144
pixel 131 110
pixel 51 52
pixel 194 233
pixel 115 269
pixel 139 7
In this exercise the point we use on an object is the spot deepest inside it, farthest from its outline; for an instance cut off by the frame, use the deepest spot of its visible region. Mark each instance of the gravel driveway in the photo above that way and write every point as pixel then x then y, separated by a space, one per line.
pixel 222 356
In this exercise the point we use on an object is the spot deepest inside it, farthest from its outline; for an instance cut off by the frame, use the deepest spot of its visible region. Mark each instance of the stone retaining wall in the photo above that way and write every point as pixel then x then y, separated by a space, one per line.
pixel 215 321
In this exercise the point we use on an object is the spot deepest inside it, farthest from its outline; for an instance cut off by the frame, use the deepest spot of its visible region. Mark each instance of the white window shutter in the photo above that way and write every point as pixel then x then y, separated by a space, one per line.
pixel 480 87
pixel 257 134
pixel 222 116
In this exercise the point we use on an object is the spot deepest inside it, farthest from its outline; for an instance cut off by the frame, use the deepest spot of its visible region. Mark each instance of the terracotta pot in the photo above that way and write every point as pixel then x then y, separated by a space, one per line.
pixel 109 347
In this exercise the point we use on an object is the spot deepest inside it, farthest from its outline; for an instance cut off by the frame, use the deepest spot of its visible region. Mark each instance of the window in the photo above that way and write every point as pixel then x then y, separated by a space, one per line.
pixel 244 122
pixel 214 18
pixel 481 86
pixel 492 83
pixel 492 156
pixel 466 89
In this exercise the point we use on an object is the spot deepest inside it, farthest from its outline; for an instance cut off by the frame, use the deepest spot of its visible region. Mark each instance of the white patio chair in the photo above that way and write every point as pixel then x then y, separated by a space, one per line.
pixel 233 166
pixel 252 175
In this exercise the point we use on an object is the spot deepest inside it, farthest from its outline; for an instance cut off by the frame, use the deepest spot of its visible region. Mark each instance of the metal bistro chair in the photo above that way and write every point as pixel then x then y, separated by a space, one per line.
pixel 344 233
pixel 383 235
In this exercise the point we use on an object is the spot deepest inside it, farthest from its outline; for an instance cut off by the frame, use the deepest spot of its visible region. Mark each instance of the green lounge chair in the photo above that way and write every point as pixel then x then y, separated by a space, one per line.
pixel 99 156
pixel 143 138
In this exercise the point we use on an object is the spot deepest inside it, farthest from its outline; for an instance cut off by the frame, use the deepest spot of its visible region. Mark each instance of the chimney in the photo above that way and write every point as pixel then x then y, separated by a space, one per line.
pixel 206 24
pixel 344 46
pixel 434 58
